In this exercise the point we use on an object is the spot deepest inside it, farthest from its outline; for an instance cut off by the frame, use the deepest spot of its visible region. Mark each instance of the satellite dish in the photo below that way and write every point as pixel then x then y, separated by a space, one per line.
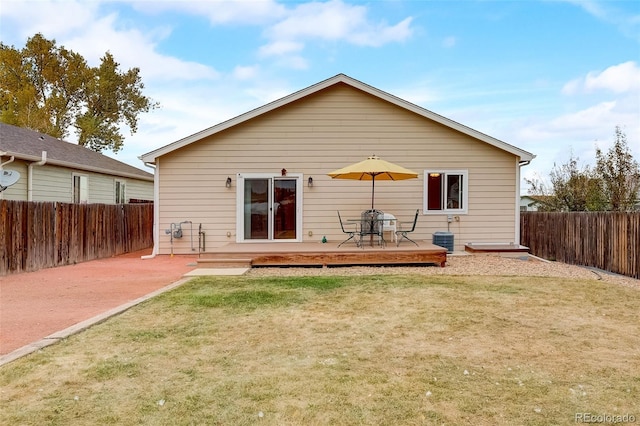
pixel 8 178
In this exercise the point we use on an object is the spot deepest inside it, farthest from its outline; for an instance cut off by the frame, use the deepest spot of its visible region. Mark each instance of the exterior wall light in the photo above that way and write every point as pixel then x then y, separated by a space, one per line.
pixel 228 182
pixel 310 182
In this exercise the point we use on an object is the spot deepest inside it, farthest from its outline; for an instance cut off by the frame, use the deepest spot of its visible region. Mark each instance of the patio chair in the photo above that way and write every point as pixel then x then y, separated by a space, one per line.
pixel 403 232
pixel 351 234
pixel 389 225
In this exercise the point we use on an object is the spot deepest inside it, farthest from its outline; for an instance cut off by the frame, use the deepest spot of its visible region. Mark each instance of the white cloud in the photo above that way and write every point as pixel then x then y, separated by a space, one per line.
pixel 91 36
pixel 378 35
pixel 27 18
pixel 332 21
pixel 294 62
pixel 575 125
pixel 247 12
pixel 281 47
pixel 131 48
pixel 620 78
pixel 245 72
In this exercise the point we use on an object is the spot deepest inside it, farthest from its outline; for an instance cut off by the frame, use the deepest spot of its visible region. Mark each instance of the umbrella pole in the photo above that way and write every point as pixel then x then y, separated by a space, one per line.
pixel 373 188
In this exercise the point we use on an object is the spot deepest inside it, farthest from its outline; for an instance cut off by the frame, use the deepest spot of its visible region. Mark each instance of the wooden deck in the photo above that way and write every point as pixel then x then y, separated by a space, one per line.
pixel 321 255
pixel 495 248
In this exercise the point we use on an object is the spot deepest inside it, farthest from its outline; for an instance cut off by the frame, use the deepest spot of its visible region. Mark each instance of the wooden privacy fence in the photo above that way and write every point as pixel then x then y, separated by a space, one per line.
pixel 36 235
pixel 605 240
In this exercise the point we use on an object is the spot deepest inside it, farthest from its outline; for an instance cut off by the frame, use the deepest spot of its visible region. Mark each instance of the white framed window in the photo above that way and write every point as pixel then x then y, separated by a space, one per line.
pixel 446 191
pixel 120 191
pixel 80 188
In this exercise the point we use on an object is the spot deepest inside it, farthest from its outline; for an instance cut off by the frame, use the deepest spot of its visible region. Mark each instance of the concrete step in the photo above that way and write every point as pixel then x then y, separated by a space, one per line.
pixel 224 263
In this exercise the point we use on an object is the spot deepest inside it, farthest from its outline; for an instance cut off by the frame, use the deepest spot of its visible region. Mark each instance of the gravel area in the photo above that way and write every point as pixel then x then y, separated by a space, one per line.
pixel 483 264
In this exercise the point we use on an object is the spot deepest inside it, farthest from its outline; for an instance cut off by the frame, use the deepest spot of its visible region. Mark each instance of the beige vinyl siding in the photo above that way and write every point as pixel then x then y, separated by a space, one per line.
pixel 321 133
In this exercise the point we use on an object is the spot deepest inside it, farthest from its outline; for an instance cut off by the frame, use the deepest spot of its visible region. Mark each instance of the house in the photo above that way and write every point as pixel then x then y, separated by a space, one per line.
pixel 528 204
pixel 532 203
pixel 54 170
pixel 262 176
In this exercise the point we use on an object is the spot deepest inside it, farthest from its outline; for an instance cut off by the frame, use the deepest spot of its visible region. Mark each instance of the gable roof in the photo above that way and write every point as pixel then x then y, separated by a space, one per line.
pixel 26 144
pixel 150 157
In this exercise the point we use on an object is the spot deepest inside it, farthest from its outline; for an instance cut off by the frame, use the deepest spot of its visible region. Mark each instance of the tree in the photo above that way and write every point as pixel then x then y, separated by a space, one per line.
pixel 52 90
pixel 620 174
pixel 572 189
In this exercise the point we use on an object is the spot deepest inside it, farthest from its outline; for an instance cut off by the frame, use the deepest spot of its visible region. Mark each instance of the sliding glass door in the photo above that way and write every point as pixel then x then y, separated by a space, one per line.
pixel 269 207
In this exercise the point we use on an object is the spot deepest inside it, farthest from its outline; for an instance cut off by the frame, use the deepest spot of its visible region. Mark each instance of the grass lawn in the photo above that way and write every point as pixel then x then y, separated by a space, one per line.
pixel 375 350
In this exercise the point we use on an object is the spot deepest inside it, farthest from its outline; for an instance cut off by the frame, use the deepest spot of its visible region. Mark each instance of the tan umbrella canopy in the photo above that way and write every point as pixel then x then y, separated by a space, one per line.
pixel 373 168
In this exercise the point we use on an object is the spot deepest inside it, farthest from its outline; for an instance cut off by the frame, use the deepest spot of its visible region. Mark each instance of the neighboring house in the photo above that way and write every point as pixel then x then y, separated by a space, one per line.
pixel 262 176
pixel 531 203
pixel 54 170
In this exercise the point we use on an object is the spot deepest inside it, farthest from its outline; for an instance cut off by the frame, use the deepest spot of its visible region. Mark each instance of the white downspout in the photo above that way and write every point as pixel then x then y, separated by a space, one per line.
pixel 30 175
pixel 4 154
pixel 521 164
pixel 156 212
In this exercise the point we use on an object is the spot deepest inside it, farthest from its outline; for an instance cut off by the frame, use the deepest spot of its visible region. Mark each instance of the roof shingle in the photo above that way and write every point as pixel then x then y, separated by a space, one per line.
pixel 26 144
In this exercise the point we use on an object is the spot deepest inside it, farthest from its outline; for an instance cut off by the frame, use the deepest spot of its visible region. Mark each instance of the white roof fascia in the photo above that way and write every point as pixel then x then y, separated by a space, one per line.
pixel 150 157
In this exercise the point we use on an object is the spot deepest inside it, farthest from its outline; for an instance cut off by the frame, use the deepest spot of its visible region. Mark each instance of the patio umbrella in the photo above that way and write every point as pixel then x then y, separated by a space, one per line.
pixel 373 168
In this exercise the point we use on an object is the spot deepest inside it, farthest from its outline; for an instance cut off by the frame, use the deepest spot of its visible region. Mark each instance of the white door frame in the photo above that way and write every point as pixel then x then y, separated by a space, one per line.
pixel 240 238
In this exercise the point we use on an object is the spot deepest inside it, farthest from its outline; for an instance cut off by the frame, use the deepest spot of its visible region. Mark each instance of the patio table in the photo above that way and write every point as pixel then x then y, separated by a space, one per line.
pixel 371 223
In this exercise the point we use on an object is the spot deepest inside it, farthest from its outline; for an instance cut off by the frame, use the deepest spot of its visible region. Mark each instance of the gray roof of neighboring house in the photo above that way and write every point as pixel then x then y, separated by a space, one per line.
pixel 26 144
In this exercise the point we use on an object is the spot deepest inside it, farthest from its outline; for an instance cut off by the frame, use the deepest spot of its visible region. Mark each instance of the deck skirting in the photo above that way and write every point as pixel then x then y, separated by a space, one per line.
pixel 322 255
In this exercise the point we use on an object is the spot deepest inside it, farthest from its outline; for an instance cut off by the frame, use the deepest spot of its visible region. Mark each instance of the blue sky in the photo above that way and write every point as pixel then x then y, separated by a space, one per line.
pixel 551 77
